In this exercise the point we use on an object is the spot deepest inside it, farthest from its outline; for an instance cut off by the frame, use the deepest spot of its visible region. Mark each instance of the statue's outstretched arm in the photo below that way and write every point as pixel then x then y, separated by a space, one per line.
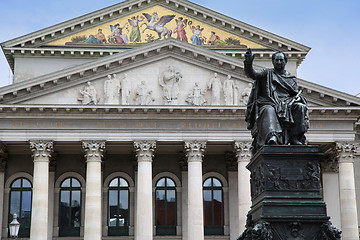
pixel 248 66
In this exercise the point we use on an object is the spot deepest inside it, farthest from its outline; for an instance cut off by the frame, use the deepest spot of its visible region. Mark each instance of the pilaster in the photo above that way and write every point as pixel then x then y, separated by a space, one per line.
pixel 93 154
pixel 349 221
pixel 42 151
pixel 243 151
pixel 195 152
pixel 144 207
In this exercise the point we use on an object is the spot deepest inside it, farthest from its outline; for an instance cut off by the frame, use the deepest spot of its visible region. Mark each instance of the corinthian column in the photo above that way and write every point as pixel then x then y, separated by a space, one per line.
pixel 243 155
pixel 195 152
pixel 349 221
pixel 40 202
pixel 93 155
pixel 144 213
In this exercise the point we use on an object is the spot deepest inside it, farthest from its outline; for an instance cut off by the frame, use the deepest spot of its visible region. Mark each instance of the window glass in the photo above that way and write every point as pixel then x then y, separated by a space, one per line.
pixel 118 207
pixel 20 203
pixel 70 208
pixel 16 183
pixel 66 183
pixel 114 182
pixel 165 203
pixel 161 183
pixel 213 207
pixel 123 183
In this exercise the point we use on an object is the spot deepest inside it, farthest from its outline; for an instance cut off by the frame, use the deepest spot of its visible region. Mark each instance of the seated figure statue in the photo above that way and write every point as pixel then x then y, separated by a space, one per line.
pixel 276 113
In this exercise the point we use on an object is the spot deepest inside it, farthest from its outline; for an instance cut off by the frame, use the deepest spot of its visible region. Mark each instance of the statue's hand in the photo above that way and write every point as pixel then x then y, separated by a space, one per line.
pixel 249 57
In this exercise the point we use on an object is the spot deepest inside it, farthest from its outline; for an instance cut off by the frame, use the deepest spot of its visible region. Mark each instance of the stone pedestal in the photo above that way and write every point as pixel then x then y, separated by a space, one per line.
pixel 285 194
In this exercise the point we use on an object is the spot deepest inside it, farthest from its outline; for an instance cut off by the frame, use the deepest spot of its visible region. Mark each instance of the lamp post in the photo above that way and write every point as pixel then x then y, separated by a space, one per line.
pixel 14 227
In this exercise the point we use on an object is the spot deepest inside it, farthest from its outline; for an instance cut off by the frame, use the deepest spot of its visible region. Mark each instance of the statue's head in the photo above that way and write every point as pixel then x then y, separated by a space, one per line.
pixel 215 74
pixel 279 60
pixel 171 68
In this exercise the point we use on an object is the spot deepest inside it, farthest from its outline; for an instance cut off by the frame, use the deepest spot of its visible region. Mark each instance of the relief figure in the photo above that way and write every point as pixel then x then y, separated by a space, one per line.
pixel 229 88
pixel 143 95
pixel 125 90
pixel 89 95
pixel 112 90
pixel 169 81
pixel 216 86
pixel 197 96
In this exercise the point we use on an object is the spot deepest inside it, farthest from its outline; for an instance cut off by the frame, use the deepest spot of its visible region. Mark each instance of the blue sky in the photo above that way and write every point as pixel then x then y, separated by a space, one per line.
pixel 330 27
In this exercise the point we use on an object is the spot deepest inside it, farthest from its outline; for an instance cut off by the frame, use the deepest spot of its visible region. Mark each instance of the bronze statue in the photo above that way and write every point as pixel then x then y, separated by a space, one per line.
pixel 276 112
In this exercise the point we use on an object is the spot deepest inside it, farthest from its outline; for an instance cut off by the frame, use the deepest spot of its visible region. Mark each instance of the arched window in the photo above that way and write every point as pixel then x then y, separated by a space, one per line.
pixel 118 207
pixel 20 203
pixel 213 207
pixel 165 204
pixel 70 207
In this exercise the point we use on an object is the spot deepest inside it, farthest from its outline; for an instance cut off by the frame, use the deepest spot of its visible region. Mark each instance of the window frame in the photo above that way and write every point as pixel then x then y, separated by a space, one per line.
pixel 23 231
pixel 214 229
pixel 118 230
pixel 70 231
pixel 166 230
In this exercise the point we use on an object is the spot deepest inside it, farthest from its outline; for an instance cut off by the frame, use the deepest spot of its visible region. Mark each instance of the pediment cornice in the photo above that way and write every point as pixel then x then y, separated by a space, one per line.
pixel 186 8
pixel 130 59
pixel 114 62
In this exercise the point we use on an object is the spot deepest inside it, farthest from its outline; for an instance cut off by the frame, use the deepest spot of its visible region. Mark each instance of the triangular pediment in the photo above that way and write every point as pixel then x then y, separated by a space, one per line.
pixel 148 64
pixel 228 30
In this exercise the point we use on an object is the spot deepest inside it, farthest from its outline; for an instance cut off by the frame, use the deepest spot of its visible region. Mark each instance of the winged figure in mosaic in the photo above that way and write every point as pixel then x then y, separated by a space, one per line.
pixel 157 25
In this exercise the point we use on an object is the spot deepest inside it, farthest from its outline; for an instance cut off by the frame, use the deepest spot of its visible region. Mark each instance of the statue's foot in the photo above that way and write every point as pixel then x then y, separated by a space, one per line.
pixel 272 140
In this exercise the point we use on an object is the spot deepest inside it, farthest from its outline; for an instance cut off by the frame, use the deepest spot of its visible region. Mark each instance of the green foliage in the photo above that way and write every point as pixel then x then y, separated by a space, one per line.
pixel 78 39
pixel 231 41
pixel 220 43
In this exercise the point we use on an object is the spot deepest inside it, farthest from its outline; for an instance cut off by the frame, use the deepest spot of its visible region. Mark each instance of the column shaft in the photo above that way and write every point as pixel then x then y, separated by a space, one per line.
pixel 144 206
pixel 243 154
pixel 195 190
pixel 40 200
pixel 349 220
pixel 93 154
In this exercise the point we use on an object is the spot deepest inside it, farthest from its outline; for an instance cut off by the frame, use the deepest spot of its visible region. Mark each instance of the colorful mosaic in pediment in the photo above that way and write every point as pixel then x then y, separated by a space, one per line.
pixel 154 24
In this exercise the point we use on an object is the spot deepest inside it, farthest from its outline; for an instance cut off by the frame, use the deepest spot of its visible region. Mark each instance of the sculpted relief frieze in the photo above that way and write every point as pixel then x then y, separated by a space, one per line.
pixel 165 85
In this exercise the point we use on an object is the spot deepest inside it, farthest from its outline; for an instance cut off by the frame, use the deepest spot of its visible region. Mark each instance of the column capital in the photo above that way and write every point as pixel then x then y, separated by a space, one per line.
pixel 144 150
pixel 41 149
pixel 346 151
pixel 243 151
pixel 93 150
pixel 195 150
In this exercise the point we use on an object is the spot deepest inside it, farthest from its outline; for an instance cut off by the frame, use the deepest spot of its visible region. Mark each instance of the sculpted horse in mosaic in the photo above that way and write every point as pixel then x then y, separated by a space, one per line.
pixel 157 25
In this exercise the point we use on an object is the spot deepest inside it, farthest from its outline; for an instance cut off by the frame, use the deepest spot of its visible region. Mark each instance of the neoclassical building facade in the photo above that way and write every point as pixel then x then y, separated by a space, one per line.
pixel 109 133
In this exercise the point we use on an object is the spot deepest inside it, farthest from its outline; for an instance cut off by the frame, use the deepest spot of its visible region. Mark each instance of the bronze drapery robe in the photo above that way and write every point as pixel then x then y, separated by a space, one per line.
pixel 271 108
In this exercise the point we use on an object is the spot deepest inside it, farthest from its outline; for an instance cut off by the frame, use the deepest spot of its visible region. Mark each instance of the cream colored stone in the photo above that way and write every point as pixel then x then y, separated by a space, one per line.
pixel 331 197
pixel 349 221
pixel 195 202
pixel 144 220
pixel 39 214
pixel 93 215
